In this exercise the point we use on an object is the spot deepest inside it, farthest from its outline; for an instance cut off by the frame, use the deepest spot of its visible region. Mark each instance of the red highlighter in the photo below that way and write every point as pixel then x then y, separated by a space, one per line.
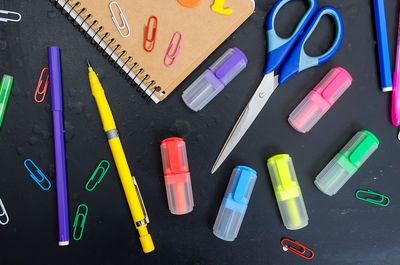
pixel 177 176
pixel 320 100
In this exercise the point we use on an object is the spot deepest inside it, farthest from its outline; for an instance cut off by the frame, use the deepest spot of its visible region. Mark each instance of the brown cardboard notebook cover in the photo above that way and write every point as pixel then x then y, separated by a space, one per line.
pixel 202 32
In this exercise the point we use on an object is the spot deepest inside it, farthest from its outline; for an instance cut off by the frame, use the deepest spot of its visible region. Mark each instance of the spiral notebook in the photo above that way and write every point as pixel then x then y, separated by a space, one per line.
pixel 203 30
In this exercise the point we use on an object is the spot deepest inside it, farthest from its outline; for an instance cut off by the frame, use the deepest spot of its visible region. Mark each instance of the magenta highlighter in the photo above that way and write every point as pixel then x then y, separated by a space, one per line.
pixel 320 100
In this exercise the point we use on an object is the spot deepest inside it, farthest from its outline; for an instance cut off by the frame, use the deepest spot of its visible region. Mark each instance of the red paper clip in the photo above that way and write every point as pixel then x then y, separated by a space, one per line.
pixel 177 49
pixel 44 90
pixel 151 41
pixel 302 251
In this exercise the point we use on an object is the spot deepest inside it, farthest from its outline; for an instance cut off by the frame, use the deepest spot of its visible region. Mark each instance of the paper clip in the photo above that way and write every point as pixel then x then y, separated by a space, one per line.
pixel 46 84
pixel 6 12
pixel 83 221
pixel 177 49
pixel 103 172
pixel 123 19
pixel 301 250
pixel 378 201
pixel 3 213
pixel 151 41
pixel 43 177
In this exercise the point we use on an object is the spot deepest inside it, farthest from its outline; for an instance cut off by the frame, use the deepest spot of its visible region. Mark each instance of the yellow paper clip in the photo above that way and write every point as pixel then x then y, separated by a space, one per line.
pixel 218 7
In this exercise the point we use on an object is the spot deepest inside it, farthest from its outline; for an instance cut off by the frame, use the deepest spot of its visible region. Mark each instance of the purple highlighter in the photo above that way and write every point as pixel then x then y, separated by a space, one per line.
pixel 59 152
pixel 214 79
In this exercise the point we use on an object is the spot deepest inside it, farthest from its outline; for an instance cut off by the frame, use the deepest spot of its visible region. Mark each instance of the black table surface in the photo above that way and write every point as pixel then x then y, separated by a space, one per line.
pixel 342 230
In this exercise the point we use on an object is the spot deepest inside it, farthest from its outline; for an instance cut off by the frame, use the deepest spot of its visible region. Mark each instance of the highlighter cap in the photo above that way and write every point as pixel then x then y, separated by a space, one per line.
pixel 5 89
pixel 234 204
pixel 287 192
pixel 177 176
pixel 320 100
pixel 350 158
pixel 214 79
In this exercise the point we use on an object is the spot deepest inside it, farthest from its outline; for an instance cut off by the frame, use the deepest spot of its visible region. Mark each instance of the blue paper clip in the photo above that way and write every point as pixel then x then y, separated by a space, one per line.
pixel 39 181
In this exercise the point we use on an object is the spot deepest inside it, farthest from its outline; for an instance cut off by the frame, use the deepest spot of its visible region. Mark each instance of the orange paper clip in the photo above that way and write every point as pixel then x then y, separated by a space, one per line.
pixel 39 85
pixel 173 56
pixel 151 41
pixel 297 248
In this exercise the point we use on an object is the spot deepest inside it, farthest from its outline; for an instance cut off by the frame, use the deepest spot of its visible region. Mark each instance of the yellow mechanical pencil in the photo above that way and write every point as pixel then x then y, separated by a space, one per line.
pixel 129 184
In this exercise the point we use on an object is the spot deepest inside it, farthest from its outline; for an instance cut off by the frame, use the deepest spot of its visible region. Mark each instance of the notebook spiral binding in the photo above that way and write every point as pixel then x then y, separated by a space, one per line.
pixel 108 52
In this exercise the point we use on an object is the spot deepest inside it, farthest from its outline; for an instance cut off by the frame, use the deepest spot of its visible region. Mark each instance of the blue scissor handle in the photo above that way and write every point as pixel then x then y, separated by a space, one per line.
pixel 298 60
pixel 278 47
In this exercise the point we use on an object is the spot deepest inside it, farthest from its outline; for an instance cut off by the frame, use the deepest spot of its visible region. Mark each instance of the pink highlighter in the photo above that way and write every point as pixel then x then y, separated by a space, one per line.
pixel 320 100
pixel 396 83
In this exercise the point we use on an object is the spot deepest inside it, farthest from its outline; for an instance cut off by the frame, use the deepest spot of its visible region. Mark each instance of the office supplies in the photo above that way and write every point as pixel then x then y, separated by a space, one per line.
pixel 146 72
pixel 6 12
pixel 377 198
pixel 104 165
pixel 296 61
pixel 214 79
pixel 41 178
pixel 125 25
pixel 189 3
pixel 172 52
pixel 39 91
pixel 234 204
pixel 396 84
pixel 4 219
pixel 177 175
pixel 5 89
pixel 349 159
pixel 128 181
pixel 218 7
pixel 297 248
pixel 320 100
pixel 383 45
pixel 81 225
pixel 58 137
pixel 151 41
pixel 287 192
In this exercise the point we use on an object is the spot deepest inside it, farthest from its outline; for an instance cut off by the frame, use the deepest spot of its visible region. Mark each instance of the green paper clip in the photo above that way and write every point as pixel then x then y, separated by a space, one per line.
pixel 379 201
pixel 104 171
pixel 83 221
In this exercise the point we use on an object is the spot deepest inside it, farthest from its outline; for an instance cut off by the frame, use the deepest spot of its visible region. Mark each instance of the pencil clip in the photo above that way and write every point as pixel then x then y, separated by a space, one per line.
pixel 6 12
pixel 3 214
pixel 151 41
pixel 42 178
pixel 82 222
pixel 43 91
pixel 103 169
pixel 297 248
pixel 381 200
pixel 124 25
pixel 146 219
pixel 173 56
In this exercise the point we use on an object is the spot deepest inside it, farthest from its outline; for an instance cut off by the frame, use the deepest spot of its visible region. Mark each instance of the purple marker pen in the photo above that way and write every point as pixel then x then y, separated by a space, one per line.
pixel 214 79
pixel 58 136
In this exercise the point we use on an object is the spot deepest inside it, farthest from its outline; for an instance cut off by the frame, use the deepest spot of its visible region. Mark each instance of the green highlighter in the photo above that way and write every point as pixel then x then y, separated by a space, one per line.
pixel 5 89
pixel 346 162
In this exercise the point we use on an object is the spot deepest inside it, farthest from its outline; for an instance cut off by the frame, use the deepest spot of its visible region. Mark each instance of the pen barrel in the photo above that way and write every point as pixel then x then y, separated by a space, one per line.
pixel 383 45
pixel 59 150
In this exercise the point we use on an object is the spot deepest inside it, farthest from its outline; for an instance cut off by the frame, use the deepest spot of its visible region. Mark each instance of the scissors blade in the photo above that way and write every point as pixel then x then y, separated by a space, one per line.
pixel 249 114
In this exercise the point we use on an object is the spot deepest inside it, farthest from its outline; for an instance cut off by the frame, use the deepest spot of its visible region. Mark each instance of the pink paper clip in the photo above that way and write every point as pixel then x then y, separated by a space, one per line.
pixel 177 49
pixel 151 41
pixel 39 85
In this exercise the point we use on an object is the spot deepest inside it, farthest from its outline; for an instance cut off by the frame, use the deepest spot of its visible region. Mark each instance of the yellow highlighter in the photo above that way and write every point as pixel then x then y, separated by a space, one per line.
pixel 129 184
pixel 287 192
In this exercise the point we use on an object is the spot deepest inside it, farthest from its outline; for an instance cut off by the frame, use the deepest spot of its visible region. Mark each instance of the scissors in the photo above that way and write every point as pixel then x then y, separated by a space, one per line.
pixel 296 61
